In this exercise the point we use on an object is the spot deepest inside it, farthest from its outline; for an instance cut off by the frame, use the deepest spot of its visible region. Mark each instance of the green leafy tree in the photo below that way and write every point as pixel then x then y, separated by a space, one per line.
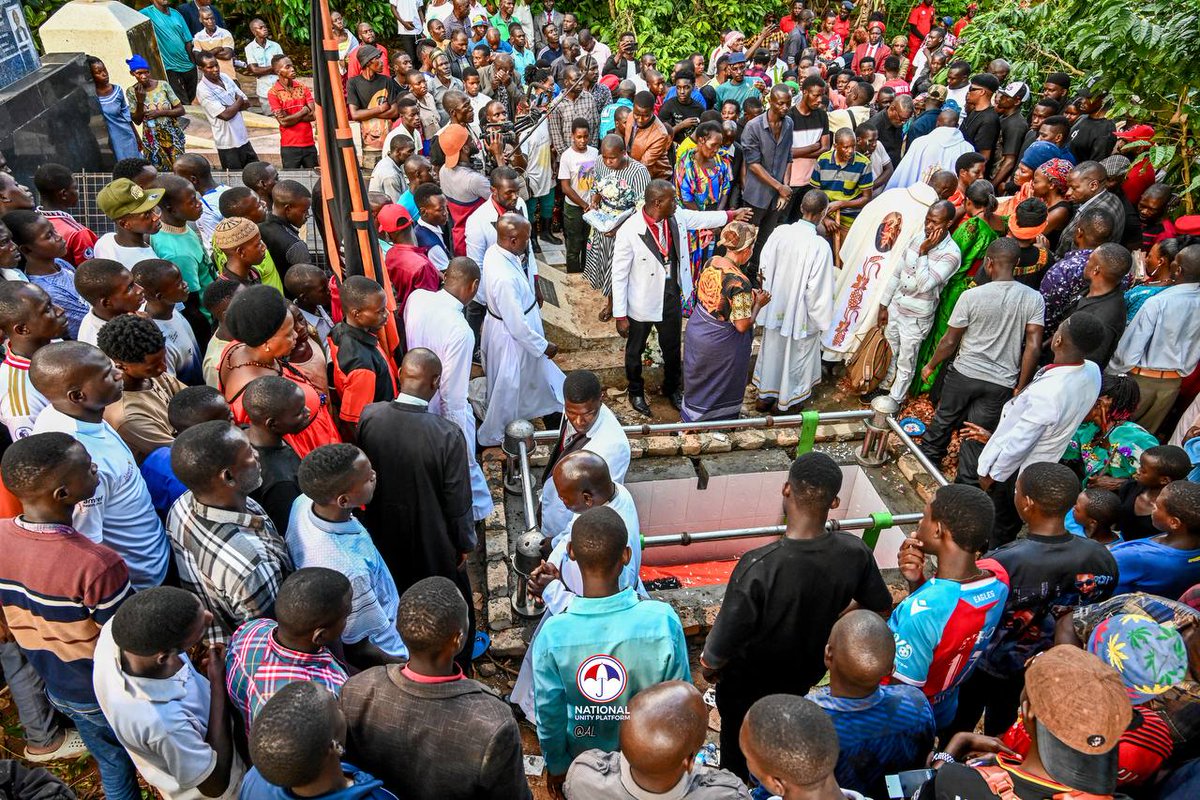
pixel 1139 51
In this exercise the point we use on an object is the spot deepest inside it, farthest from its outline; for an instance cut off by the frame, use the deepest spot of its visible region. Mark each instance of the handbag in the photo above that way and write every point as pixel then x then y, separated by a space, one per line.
pixel 867 368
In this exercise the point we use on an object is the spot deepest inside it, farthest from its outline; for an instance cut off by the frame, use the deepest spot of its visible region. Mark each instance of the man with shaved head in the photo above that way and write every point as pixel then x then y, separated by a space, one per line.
pixel 583 481
pixel 666 727
pixel 880 729
pixel 434 320
pixel 79 382
pixel 523 382
pixel 420 516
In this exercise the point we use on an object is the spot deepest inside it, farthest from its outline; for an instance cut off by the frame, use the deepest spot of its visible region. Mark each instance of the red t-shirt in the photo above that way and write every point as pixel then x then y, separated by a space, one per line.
pixel 80 239
pixel 290 101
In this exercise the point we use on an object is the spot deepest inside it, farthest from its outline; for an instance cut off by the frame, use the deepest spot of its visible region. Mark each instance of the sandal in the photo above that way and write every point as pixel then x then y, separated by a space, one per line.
pixel 72 747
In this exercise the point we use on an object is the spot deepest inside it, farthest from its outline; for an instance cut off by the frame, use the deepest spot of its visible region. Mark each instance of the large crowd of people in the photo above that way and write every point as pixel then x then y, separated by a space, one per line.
pixel 236 525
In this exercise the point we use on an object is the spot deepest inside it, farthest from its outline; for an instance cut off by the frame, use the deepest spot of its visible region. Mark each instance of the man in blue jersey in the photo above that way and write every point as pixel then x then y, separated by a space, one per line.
pixel 942 628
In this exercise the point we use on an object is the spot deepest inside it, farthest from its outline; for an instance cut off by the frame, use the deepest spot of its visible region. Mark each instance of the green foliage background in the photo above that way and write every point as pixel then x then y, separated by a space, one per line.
pixel 1140 51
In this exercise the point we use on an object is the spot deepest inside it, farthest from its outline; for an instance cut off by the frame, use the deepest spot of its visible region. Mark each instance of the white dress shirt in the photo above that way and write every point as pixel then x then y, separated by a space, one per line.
pixel 1037 424
pixel 1164 334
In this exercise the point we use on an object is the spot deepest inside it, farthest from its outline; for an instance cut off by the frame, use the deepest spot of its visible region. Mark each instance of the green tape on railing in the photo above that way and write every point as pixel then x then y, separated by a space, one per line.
pixel 881 520
pixel 808 431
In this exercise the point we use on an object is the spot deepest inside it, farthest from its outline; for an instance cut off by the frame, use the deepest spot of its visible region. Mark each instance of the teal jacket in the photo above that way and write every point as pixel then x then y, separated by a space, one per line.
pixel 589 662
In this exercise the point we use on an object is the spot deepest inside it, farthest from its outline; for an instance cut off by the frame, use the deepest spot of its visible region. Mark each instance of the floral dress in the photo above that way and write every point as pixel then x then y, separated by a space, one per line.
pixel 1115 455
pixel 708 189
pixel 162 139
pixel 1137 295
pixel 618 190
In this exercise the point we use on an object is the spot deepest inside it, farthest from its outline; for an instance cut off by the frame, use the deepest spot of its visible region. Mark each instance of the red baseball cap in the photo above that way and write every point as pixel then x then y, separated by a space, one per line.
pixel 393 217
pixel 1136 133
pixel 1189 224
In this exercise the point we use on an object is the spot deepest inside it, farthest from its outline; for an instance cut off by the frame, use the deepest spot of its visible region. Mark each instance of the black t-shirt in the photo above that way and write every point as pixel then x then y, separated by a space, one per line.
pixel 890 136
pixel 1110 310
pixel 360 91
pixel 1130 524
pixel 1012 138
pixel 780 605
pixel 982 129
pixel 1092 139
pixel 816 120
pixel 674 112
pixel 1048 576
pixel 1031 266
pixel 279 488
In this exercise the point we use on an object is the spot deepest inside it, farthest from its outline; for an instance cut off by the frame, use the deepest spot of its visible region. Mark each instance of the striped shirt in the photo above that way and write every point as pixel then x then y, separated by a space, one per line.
pixel 843 182
pixel 234 562
pixel 349 549
pixel 20 403
pixel 57 589
pixel 885 732
pixel 257 666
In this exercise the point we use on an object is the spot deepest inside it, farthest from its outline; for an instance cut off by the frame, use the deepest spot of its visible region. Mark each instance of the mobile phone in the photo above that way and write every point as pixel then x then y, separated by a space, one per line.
pixel 905 784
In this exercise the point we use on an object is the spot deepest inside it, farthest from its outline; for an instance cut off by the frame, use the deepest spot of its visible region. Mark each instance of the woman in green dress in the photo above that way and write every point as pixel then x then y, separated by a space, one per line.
pixel 973 237
pixel 1106 449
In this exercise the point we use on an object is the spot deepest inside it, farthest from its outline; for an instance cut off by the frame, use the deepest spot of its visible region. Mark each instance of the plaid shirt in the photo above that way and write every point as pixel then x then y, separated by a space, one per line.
pixel 233 562
pixel 257 666
pixel 566 112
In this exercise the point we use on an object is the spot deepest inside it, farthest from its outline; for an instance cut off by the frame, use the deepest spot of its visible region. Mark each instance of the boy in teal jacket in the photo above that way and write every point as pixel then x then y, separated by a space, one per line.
pixel 590 660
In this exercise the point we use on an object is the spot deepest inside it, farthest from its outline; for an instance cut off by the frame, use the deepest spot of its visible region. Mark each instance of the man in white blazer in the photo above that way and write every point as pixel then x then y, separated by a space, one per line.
pixel 651 275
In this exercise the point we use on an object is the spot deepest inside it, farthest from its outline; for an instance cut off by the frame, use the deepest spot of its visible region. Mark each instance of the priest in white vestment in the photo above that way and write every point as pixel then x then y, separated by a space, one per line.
pixel 938 149
pixel 588 425
pixel 522 381
pixel 435 321
pixel 870 253
pixel 585 482
pixel 796 267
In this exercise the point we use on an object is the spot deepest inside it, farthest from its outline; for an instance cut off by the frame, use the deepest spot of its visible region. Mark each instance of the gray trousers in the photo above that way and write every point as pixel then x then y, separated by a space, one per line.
pixel 904 335
pixel 29 694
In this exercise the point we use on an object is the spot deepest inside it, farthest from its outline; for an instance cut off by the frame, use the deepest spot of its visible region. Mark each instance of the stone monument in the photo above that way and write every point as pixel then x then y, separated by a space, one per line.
pixel 18 56
pixel 108 30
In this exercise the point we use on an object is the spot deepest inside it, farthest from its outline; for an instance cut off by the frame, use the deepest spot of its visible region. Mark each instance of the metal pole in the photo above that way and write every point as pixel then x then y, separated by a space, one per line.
pixel 787 421
pixel 856 524
pixel 921 458
pixel 526 487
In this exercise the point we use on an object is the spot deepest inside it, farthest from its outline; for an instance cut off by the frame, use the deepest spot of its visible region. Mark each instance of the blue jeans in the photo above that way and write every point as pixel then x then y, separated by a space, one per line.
pixel 117 773
pixel 29 695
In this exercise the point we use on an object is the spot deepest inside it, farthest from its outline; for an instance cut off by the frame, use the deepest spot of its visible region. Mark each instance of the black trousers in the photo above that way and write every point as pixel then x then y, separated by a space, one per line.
pixel 963 399
pixel 184 84
pixel 670 339
pixel 238 157
pixel 475 312
pixel 735 695
pixel 575 231
pixel 463 659
pixel 996 699
pixel 1008 521
pixel 766 219
pixel 298 157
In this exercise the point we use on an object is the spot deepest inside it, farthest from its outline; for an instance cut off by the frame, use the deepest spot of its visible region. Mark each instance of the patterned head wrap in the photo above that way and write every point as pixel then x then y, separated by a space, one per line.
pixel 1150 657
pixel 738 236
pixel 1056 171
